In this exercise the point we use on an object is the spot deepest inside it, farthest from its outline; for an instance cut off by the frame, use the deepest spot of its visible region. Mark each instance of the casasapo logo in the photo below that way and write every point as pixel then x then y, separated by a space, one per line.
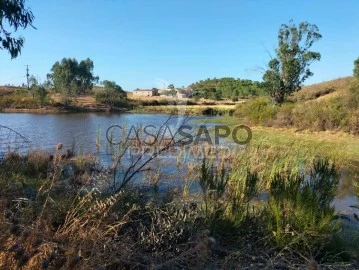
pixel 150 135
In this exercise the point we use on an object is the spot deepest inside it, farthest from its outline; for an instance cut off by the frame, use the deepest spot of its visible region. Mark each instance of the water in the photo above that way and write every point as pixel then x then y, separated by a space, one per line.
pixel 80 131
pixel 85 133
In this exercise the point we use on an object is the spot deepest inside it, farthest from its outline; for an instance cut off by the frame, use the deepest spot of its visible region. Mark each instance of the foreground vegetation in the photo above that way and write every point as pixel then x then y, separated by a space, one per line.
pixel 224 224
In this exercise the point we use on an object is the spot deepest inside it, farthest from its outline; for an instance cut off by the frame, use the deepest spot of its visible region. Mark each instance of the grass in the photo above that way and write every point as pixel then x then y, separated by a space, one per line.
pixel 283 149
pixel 323 90
pixel 339 146
pixel 64 227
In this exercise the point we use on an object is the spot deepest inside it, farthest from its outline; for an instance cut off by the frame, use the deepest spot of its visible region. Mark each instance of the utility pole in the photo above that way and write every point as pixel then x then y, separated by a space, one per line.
pixel 27 77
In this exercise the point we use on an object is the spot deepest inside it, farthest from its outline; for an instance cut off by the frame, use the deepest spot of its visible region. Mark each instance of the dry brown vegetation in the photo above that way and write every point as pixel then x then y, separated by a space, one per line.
pixel 323 90
pixel 7 90
pixel 49 220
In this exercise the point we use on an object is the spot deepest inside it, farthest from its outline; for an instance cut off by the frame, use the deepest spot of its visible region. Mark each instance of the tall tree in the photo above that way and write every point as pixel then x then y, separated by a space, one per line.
pixel 356 68
pixel 71 77
pixel 290 68
pixel 85 75
pixel 33 84
pixel 13 15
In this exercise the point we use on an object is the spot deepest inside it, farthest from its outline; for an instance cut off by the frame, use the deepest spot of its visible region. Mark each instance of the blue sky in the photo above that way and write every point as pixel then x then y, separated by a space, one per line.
pixel 146 43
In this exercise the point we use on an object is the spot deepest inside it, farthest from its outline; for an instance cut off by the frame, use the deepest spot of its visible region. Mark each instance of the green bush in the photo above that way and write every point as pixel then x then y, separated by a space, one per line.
pixel 257 111
pixel 111 97
pixel 299 207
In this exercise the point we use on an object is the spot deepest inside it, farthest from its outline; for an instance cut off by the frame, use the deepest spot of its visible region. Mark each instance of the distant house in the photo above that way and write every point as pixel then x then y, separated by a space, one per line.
pixel 181 95
pixel 145 93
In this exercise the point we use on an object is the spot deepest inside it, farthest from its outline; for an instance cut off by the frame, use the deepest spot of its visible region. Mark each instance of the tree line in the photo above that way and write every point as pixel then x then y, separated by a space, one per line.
pixel 231 88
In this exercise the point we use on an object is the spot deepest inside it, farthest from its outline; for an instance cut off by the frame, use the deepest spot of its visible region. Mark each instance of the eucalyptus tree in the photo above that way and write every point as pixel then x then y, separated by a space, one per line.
pixel 288 70
pixel 13 15
pixel 33 84
pixel 71 77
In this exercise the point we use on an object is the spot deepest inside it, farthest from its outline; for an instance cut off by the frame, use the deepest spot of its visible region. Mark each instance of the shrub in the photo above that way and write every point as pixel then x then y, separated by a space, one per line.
pixel 257 111
pixel 284 117
pixel 213 183
pixel 111 97
pixel 335 112
pixel 210 111
pixel 316 116
pixel 352 124
pixel 226 197
pixel 300 206
pixel 338 112
pixel 41 95
pixel 37 164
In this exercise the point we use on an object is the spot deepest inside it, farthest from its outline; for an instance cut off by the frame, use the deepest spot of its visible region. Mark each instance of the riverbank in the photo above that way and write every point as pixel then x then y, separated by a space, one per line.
pixel 171 109
pixel 93 107
pixel 187 109
pixel 71 109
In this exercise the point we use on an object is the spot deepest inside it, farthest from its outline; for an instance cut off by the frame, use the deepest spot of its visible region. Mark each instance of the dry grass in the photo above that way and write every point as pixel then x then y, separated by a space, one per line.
pixel 7 90
pixel 63 227
pixel 323 90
